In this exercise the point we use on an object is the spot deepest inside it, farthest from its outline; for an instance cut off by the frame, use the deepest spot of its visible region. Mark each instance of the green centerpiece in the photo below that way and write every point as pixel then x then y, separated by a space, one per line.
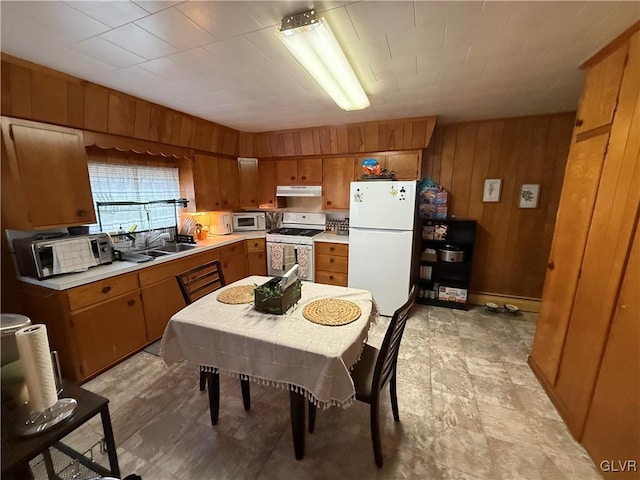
pixel 270 298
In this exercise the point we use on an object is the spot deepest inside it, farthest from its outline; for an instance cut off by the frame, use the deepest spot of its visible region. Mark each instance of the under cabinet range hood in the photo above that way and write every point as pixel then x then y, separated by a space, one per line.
pixel 299 191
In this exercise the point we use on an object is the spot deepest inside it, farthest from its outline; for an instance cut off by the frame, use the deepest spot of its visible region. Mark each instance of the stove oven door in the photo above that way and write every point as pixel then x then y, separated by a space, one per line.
pixel 282 256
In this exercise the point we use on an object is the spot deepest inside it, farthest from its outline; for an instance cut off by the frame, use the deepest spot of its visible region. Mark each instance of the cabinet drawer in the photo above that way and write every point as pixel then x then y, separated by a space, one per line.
pixel 102 290
pixel 331 278
pixel 332 263
pixel 336 249
pixel 256 245
pixel 151 275
pixel 257 263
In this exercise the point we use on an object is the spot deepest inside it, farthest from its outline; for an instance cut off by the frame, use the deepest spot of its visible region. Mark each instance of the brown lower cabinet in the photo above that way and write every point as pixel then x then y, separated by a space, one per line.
pixel 94 326
pixel 331 263
pixel 257 256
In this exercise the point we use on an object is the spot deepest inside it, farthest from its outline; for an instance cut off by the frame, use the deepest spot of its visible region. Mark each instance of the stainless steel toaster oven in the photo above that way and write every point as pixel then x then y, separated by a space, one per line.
pixel 55 256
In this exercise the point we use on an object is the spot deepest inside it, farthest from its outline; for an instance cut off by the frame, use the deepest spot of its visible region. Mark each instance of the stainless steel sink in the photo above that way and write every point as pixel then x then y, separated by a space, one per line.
pixel 174 247
pixel 154 253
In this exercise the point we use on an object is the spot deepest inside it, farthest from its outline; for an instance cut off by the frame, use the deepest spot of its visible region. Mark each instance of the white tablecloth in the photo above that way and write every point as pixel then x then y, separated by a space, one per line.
pixel 287 351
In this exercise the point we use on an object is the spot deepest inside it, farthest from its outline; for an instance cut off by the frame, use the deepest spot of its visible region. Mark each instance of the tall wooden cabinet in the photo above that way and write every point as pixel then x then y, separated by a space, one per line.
pixel 596 221
pixel 249 192
pixel 216 181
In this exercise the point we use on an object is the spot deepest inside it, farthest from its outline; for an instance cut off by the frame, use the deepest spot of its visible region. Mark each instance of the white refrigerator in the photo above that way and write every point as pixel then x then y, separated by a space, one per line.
pixel 381 223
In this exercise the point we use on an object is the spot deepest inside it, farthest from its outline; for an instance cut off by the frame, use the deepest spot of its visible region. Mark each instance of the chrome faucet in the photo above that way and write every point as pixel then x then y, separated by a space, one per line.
pixel 148 242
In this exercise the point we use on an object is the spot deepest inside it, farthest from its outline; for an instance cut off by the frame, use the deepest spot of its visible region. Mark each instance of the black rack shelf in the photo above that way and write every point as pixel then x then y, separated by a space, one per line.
pixel 436 275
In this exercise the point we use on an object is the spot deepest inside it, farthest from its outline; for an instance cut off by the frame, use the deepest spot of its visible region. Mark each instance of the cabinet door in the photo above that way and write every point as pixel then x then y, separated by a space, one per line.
pixel 287 171
pixel 581 179
pixel 206 182
pixel 248 174
pixel 257 263
pixel 336 183
pixel 45 176
pixel 310 171
pixel 267 180
pixel 234 262
pixel 601 92
pixel 160 301
pixel 107 332
pixel 406 166
pixel 229 183
pixel 612 429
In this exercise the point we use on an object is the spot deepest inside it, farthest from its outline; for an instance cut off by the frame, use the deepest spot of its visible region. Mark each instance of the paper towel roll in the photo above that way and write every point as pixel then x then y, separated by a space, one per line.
pixel 35 356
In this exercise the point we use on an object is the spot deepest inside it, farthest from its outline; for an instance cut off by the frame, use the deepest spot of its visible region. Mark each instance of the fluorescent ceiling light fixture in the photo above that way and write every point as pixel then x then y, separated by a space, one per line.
pixel 313 44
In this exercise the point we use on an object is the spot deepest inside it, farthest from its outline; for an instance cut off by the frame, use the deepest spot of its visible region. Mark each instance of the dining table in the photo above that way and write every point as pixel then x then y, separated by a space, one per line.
pixel 309 358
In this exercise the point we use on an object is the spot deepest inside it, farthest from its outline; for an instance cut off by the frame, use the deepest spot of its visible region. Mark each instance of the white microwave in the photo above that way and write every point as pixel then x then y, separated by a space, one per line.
pixel 249 221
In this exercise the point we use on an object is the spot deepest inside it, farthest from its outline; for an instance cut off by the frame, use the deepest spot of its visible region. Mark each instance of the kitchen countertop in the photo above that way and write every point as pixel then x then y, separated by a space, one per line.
pixel 64 282
pixel 332 238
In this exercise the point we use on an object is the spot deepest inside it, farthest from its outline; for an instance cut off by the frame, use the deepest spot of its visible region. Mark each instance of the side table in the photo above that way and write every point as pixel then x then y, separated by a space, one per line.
pixel 17 451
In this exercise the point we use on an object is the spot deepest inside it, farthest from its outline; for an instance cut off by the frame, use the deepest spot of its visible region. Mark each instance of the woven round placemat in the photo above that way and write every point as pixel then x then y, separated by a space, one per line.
pixel 331 311
pixel 236 295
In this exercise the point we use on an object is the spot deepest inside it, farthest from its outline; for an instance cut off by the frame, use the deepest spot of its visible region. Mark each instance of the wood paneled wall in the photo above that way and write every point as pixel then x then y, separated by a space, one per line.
pixel 513 244
pixel 405 134
pixel 38 93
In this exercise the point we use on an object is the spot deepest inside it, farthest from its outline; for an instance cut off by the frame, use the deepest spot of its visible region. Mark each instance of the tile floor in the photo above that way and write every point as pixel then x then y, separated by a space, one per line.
pixel 470 408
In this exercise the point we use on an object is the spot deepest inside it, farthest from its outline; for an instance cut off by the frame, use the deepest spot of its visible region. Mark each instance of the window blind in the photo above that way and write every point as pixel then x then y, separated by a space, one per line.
pixel 133 183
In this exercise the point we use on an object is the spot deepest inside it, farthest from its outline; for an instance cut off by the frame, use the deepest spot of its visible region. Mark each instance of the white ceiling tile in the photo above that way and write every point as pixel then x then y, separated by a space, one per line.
pixel 166 68
pixel 400 66
pixel 236 50
pixel 174 28
pixel 430 13
pixel 137 40
pixel 198 61
pixel 364 52
pixel 221 19
pixel 387 17
pixel 156 6
pixel 58 16
pixel 415 40
pixel 107 52
pixel 265 41
pixel 111 13
pixel 22 34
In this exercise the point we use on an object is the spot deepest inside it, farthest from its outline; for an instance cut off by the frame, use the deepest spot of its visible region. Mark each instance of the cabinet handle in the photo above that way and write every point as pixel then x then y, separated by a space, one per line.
pixel 331 249
pixel 81 213
pixel 106 289
pixel 131 303
pixel 579 122
pixel 270 201
pixel 330 277
pixel 328 202
pixel 331 260
pixel 551 265
pixel 303 177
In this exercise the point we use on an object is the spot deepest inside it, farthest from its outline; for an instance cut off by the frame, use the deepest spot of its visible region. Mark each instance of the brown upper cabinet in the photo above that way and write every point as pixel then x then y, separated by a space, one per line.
pixel 216 183
pixel 603 82
pixel 405 165
pixel 249 192
pixel 267 180
pixel 300 171
pixel 45 178
pixel 336 184
pixel 206 181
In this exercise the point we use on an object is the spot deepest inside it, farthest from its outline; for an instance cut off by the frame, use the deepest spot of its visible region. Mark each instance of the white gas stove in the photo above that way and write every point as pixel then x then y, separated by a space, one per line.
pixel 293 243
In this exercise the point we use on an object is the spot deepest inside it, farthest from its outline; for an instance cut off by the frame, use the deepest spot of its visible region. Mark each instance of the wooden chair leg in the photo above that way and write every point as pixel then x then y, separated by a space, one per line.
pixel 203 380
pixel 246 394
pixel 394 398
pixel 213 382
pixel 375 433
pixel 312 417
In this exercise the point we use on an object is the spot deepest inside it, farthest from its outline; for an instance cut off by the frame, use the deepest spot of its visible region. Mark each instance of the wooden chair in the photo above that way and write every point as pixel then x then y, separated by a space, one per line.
pixel 375 369
pixel 195 284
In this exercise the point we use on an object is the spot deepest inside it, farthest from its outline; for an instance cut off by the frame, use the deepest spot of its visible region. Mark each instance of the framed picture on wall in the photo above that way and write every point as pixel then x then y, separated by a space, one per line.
pixel 529 193
pixel 492 187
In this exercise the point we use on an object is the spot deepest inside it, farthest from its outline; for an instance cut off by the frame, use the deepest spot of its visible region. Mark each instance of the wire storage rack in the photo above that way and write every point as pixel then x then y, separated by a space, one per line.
pixel 61 462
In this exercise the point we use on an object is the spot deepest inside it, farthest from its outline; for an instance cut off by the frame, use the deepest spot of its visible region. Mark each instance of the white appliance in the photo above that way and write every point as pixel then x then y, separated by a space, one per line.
pixel 381 223
pixel 221 223
pixel 246 221
pixel 293 243
pixel 298 191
